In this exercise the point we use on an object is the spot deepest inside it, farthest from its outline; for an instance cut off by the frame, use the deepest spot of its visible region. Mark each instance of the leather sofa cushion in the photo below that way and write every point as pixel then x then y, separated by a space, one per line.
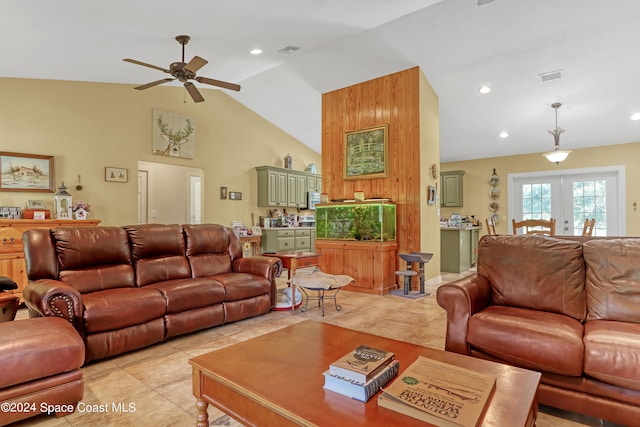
pixel 612 352
pixel 93 258
pixel 158 253
pixel 534 272
pixel 530 339
pixel 153 270
pixel 239 286
pixel 37 348
pixel 119 308
pixel 613 279
pixel 155 240
pixel 187 294
pixel 209 264
pixel 99 278
pixel 208 249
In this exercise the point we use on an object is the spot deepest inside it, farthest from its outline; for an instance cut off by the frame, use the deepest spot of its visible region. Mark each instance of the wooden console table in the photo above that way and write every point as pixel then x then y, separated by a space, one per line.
pixel 11 251
pixel 371 264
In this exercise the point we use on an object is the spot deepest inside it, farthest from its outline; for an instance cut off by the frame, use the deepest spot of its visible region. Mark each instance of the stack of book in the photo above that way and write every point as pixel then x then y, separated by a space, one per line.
pixel 360 373
pixel 440 393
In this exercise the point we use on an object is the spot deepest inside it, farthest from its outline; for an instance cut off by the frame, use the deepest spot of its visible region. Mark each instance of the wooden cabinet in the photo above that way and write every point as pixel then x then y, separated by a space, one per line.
pixel 287 239
pixel 451 188
pixel 371 264
pixel 458 249
pixel 285 188
pixel 12 252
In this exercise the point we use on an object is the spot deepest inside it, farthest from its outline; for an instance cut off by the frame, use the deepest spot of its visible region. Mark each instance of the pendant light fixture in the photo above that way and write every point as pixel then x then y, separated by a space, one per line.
pixel 556 155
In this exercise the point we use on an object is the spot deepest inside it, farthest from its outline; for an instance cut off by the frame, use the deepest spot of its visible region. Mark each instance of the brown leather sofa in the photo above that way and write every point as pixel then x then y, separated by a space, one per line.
pixel 567 309
pixel 125 288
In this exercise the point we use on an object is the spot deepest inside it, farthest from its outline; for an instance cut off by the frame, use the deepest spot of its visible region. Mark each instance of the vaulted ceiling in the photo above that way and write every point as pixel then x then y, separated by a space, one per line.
pixel 459 45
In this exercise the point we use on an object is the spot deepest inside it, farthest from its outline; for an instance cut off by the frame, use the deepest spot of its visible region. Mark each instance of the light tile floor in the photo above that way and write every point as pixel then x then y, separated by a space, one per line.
pixel 152 386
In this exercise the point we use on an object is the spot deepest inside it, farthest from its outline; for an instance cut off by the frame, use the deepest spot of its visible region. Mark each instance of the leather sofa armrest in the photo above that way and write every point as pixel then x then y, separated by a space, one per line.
pixel 461 299
pixel 53 298
pixel 264 266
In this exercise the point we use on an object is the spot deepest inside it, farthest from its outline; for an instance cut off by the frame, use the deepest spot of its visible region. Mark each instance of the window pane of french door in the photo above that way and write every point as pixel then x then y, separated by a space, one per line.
pixel 590 201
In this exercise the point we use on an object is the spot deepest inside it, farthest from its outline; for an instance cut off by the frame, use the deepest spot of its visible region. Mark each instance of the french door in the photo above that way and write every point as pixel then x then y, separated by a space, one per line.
pixel 571 196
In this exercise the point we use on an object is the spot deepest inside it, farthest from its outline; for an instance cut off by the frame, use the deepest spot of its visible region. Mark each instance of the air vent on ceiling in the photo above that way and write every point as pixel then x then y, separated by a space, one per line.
pixel 552 75
pixel 288 49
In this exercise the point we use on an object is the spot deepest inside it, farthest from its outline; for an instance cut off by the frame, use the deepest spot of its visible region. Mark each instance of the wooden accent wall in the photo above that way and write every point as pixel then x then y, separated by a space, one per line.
pixel 394 100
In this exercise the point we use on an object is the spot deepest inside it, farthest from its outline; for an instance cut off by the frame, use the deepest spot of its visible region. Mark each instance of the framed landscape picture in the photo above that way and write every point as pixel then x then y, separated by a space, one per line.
pixel 26 172
pixel 366 153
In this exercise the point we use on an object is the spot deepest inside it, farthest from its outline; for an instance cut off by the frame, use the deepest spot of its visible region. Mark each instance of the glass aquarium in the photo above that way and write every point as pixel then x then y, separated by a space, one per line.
pixel 366 221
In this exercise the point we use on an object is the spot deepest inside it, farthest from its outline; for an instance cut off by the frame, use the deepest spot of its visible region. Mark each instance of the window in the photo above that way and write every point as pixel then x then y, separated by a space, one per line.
pixel 571 196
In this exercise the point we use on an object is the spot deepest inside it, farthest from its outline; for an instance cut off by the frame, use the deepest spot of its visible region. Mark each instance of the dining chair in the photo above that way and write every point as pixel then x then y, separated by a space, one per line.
pixel 587 229
pixel 535 226
pixel 491 227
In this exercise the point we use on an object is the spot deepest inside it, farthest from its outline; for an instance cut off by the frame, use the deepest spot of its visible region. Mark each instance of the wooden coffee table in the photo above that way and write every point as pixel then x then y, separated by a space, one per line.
pixel 276 380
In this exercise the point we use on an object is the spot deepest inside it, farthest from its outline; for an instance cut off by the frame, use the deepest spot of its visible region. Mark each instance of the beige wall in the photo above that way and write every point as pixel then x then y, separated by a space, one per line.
pixel 429 155
pixel 477 173
pixel 88 126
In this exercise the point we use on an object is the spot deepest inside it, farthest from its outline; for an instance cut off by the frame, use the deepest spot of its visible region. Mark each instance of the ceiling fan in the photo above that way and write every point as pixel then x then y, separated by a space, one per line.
pixel 184 72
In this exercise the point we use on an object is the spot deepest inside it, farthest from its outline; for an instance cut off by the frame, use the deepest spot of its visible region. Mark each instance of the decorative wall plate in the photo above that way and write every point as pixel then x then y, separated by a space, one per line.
pixel 494 206
pixel 495 218
pixel 494 193
pixel 494 180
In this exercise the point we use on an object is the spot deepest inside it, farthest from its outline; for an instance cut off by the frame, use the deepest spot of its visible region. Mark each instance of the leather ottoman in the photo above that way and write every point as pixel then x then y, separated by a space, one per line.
pixel 41 360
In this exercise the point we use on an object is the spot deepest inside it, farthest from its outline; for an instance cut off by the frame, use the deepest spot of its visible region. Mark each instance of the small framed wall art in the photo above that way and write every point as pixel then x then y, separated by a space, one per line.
pixel 116 174
pixel 234 195
pixel 223 193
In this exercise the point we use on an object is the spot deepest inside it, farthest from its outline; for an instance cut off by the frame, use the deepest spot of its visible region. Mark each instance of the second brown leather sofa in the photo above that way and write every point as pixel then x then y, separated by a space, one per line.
pixel 568 309
pixel 125 288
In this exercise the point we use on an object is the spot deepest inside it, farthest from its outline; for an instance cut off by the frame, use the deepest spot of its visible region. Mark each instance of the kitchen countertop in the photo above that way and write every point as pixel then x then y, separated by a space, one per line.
pixel 460 228
pixel 288 228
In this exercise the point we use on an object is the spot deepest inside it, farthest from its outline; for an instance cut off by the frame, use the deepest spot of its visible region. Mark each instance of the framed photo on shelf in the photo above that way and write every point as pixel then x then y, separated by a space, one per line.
pixel 366 153
pixel 26 172
pixel 116 174
pixel 35 204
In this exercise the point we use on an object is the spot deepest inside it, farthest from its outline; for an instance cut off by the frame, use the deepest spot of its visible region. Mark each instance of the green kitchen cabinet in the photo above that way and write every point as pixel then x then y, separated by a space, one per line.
pixel 451 189
pixel 458 249
pixel 284 188
pixel 288 239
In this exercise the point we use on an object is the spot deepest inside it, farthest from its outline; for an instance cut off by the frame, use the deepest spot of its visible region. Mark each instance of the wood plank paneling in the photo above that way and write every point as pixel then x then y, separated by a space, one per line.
pixel 392 100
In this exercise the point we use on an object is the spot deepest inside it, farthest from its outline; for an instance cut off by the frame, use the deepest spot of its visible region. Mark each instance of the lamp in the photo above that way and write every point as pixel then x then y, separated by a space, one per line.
pixel 557 155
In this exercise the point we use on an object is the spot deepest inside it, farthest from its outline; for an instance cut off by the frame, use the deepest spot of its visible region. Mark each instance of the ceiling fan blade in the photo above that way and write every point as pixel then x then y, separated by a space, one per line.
pixel 220 83
pixel 144 64
pixel 195 64
pixel 152 84
pixel 194 92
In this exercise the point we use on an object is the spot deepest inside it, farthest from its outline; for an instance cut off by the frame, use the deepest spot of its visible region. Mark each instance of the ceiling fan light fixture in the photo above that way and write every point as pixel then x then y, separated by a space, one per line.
pixel 484 89
pixel 557 155
pixel 255 51
pixel 635 116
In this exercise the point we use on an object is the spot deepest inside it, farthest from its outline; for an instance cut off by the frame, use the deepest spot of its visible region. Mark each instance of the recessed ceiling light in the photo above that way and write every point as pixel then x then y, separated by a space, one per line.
pixel 635 116
pixel 504 135
pixel 485 89
pixel 255 51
